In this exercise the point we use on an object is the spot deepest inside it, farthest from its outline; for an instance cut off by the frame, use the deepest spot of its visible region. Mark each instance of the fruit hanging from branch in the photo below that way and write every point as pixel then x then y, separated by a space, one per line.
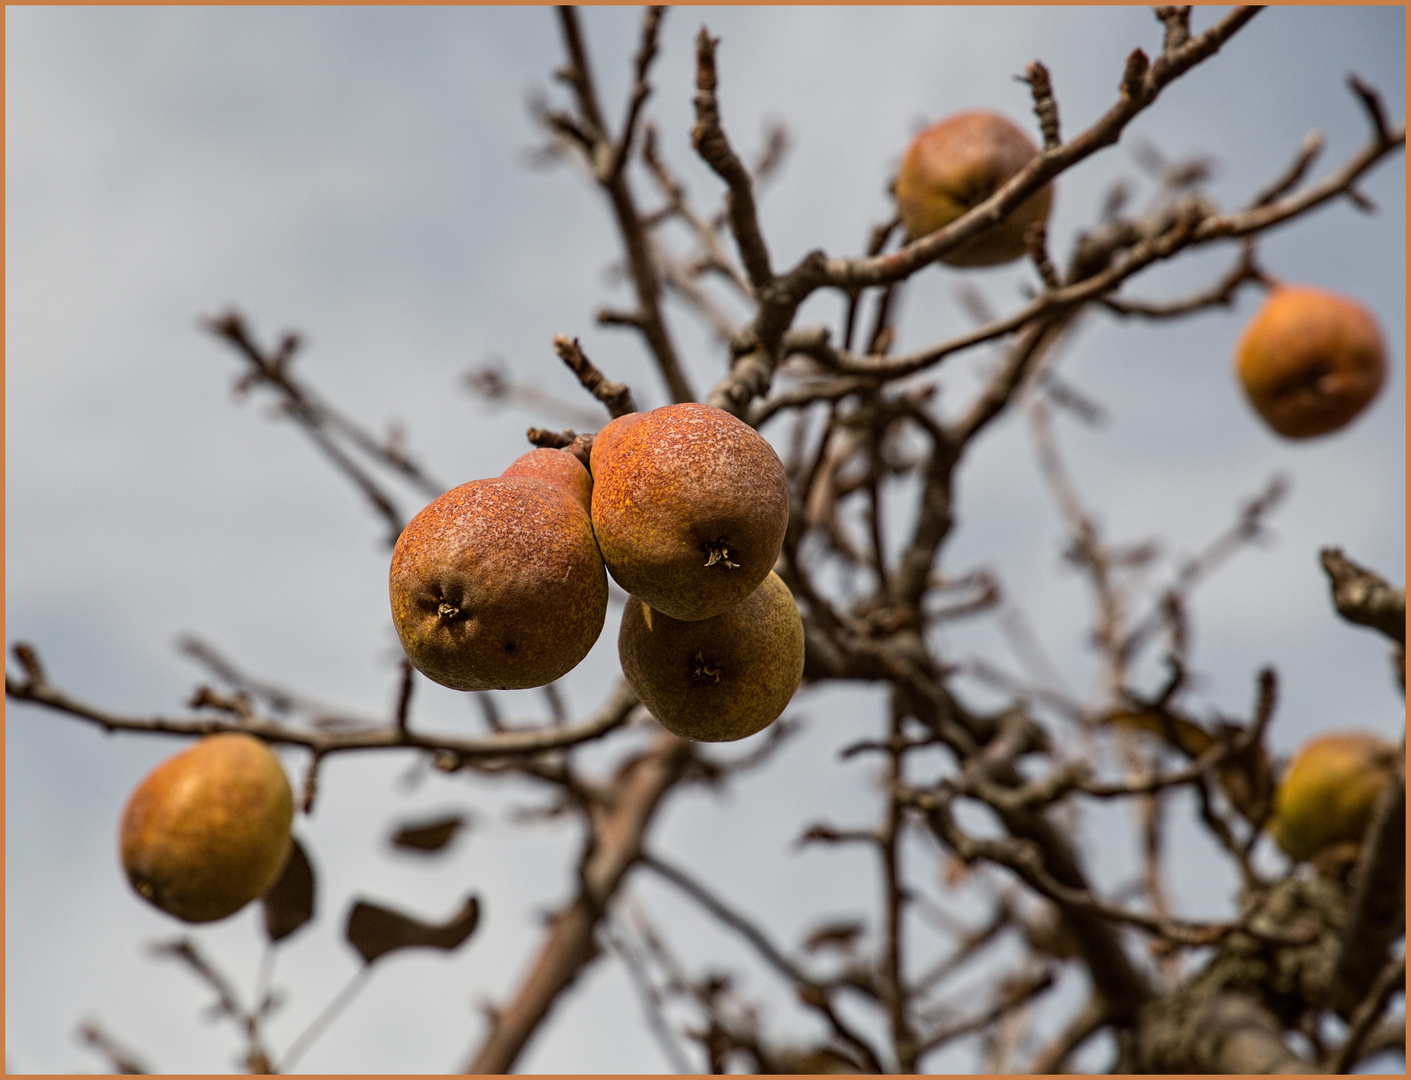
pixel 208 830
pixel 498 583
pixel 1310 361
pixel 957 164
pixel 1328 792
pixel 717 679
pixel 690 505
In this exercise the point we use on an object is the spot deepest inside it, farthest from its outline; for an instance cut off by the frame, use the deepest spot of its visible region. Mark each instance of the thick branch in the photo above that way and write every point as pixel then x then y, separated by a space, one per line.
pixel 1222 1032
pixel 615 845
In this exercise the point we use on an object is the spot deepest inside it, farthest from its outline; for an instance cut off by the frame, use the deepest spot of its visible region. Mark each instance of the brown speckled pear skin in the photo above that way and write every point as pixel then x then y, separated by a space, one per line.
pixel 208 830
pixel 689 507
pixel 957 164
pixel 1310 361
pixel 717 679
pixel 498 583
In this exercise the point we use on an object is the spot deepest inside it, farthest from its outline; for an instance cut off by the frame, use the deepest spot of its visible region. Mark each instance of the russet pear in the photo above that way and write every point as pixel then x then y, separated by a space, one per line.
pixel 207 831
pixel 1310 361
pixel 716 679
pixel 690 505
pixel 955 165
pixel 498 583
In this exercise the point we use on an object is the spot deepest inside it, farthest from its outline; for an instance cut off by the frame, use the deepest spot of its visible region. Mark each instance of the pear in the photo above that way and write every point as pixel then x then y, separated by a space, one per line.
pixel 208 830
pixel 690 505
pixel 957 164
pixel 716 679
pixel 498 583
pixel 1327 793
pixel 1310 361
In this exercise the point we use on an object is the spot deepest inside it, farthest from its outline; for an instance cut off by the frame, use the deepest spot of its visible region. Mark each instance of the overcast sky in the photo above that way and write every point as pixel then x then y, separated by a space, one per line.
pixel 361 174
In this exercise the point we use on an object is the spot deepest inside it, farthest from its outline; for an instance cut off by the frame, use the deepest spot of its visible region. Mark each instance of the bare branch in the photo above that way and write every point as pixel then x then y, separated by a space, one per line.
pixel 1220 294
pixel 616 396
pixel 1376 909
pixel 811 992
pixel 119 1058
pixel 641 89
pixel 1363 597
pixel 1045 107
pixel 614 846
pixel 1376 113
pixel 1177 19
pixel 227 1004
pixel 317 419
pixel 742 926
pixel 1308 152
pixel 507 743
pixel 1019 994
pixel 710 143
pixel 602 158
pixel 1053 1057
pixel 1389 980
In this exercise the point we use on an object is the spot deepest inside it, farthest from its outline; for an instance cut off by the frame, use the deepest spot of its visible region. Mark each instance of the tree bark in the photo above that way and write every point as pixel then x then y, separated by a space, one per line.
pixel 1222 1032
pixel 614 846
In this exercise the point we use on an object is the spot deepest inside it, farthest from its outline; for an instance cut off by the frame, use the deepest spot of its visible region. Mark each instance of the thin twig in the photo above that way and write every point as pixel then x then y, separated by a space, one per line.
pixel 617 397
pixel 504 744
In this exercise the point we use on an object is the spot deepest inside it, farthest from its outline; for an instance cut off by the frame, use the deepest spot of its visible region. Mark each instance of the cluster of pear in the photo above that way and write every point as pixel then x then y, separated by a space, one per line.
pixel 1309 360
pixel 502 583
pixel 207 831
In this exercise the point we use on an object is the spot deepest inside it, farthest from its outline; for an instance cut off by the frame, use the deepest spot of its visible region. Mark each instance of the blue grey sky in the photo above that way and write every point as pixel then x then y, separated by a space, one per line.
pixel 361 174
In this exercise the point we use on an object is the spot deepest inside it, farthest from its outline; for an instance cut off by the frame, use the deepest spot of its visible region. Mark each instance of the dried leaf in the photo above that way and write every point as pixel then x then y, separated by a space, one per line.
pixel 1184 735
pixel 430 835
pixel 290 902
pixel 375 930
pixel 1247 778
pixel 838 935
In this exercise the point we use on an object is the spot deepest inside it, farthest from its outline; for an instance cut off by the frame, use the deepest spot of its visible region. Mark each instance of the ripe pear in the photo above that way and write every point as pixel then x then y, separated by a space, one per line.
pixel 716 679
pixel 208 830
pixel 690 505
pixel 1310 361
pixel 498 583
pixel 1328 791
pixel 957 164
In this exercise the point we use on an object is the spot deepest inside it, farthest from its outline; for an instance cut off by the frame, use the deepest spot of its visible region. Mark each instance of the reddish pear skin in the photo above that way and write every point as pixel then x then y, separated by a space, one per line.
pixel 1310 361
pixel 689 507
pixel 498 583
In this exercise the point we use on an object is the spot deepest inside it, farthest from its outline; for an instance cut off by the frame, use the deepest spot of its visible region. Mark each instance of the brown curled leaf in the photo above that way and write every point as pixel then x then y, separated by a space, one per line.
pixel 289 904
pixel 375 930
pixel 429 836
